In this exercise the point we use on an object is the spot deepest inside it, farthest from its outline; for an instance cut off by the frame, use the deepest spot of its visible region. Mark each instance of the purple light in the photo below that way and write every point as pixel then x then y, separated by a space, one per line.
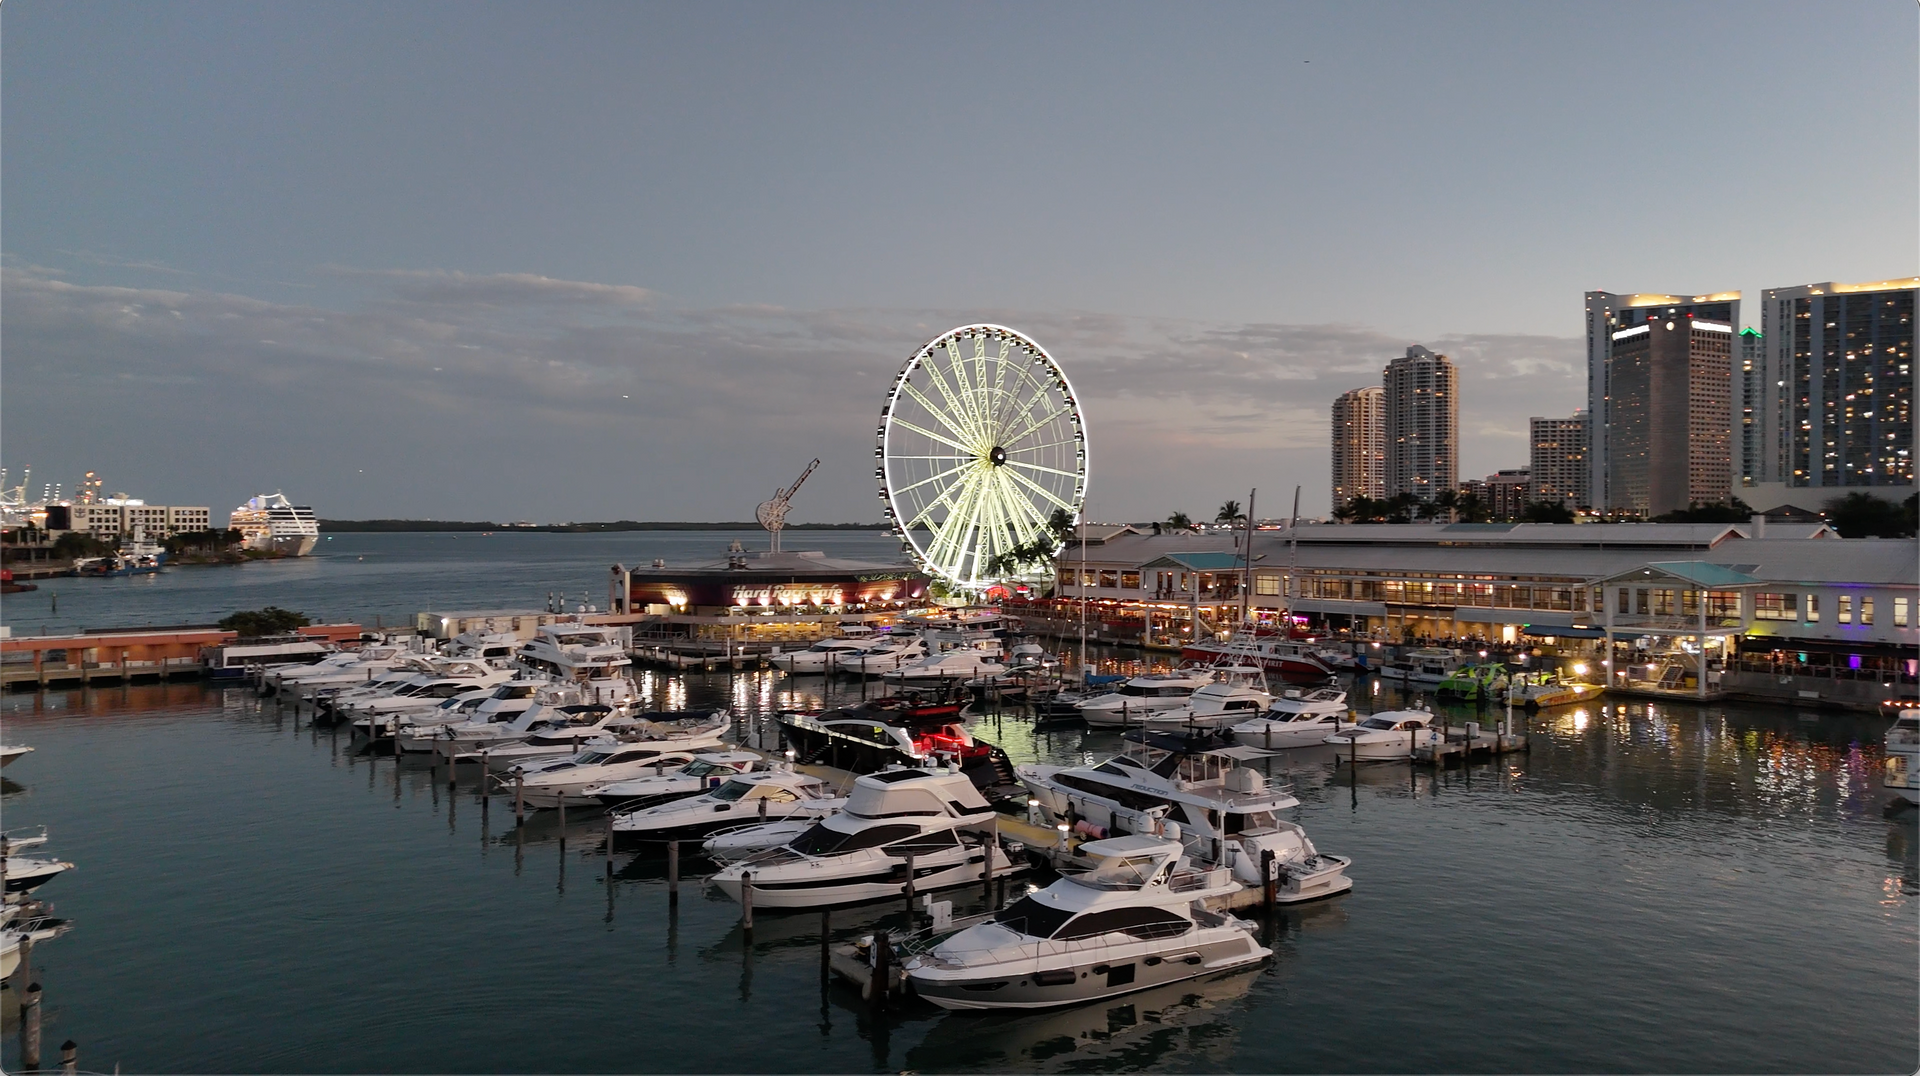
pixel 1853 661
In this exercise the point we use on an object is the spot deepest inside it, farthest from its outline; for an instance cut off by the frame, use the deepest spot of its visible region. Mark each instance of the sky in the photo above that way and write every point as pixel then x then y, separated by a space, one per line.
pixel 589 261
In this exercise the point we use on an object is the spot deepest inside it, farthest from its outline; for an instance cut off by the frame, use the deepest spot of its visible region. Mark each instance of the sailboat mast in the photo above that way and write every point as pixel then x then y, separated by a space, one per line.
pixel 1293 555
pixel 1246 576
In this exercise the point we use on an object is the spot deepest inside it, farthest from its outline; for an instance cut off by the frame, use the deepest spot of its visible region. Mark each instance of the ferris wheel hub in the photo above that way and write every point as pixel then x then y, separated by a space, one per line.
pixel 998 457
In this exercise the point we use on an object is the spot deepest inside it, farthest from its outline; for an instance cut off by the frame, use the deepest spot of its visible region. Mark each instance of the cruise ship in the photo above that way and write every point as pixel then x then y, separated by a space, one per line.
pixel 273 524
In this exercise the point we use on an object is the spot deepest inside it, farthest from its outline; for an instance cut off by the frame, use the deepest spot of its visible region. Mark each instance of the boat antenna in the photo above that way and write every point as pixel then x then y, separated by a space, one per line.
pixel 772 513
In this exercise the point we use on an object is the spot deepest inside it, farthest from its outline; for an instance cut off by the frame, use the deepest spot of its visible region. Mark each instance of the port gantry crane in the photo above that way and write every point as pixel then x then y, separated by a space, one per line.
pixel 772 513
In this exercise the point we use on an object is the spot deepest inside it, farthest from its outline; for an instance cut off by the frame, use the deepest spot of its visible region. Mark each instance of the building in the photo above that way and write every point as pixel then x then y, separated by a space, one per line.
pixel 1508 493
pixel 1670 428
pixel 1611 317
pixel 1841 358
pixel 1359 445
pixel 1751 456
pixel 1422 416
pixel 1559 460
pixel 116 516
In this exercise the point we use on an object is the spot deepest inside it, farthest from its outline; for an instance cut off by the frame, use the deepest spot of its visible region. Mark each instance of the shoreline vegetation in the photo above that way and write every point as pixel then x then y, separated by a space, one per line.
pixel 362 526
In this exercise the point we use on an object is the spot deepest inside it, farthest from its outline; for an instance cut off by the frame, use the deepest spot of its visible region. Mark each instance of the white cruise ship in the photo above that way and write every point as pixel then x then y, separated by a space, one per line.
pixel 271 523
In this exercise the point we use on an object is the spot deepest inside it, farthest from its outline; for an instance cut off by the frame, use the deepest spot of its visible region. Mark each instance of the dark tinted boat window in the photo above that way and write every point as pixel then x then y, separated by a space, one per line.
pixel 1032 918
pixel 1138 922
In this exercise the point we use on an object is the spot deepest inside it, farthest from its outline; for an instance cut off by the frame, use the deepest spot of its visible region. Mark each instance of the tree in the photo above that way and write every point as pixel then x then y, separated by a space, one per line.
pixel 213 540
pixel 1862 515
pixel 1228 512
pixel 1734 511
pixel 1546 512
pixel 1469 508
pixel 76 544
pixel 1037 551
pixel 1179 521
pixel 272 620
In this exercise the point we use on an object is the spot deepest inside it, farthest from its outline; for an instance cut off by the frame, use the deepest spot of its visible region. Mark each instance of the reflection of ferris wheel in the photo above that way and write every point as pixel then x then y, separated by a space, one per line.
pixel 981 445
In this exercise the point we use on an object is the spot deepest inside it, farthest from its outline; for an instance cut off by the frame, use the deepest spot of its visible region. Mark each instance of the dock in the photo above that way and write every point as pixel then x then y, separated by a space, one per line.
pixel 1462 744
pixel 124 656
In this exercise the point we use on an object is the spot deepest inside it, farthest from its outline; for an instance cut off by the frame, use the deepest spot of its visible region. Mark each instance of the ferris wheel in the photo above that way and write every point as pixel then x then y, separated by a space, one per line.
pixel 981 446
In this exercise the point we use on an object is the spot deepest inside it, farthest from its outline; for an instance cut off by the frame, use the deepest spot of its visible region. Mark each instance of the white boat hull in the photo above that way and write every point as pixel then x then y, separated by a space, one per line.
pixel 824 882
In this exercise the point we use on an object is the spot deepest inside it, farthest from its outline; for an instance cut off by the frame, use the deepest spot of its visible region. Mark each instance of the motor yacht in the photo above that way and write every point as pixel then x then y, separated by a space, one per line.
pixel 739 842
pixel 577 727
pixel 1542 690
pixel 827 655
pixel 958 664
pixel 1902 776
pixel 17 928
pixel 25 874
pixel 1192 784
pixel 1136 920
pixel 1426 666
pixel 1292 660
pixel 1237 692
pixel 860 854
pixel 1389 735
pixel 1296 719
pixel 647 771
pixel 1145 694
pixel 341 690
pixel 418 733
pixel 10 752
pixel 573 651
pixel 893 652
pixel 895 731
pixel 776 795
pixel 388 711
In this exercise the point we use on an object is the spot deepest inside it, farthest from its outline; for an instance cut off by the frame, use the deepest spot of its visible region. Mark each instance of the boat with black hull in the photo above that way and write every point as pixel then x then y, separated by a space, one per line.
pixel 895 731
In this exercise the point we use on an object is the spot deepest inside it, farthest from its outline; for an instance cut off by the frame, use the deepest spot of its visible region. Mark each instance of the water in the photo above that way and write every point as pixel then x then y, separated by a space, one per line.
pixel 1651 888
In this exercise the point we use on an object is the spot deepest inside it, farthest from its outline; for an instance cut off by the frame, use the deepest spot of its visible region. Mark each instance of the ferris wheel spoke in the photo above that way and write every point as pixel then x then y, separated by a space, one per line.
pixel 1040 490
pixel 954 405
pixel 925 514
pixel 1034 520
pixel 1027 391
pixel 952 427
pixel 1034 424
pixel 963 397
pixel 935 478
pixel 1037 467
pixel 1017 450
pixel 903 423
pixel 1015 511
pixel 950 538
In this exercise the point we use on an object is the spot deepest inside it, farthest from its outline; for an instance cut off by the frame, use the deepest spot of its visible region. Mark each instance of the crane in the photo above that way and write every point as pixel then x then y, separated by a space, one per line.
pixel 772 513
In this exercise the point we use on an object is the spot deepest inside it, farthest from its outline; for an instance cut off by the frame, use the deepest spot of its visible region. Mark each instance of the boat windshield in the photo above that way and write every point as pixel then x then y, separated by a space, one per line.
pixel 822 840
pixel 1376 723
pixel 592 758
pixel 516 691
pixel 699 768
pixel 731 791
pixel 1032 918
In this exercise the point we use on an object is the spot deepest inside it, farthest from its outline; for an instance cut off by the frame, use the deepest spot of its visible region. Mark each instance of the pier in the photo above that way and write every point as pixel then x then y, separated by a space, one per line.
pixel 125 656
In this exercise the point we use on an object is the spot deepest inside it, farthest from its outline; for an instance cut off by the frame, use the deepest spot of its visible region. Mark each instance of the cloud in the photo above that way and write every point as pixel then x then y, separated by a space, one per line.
pixel 526 396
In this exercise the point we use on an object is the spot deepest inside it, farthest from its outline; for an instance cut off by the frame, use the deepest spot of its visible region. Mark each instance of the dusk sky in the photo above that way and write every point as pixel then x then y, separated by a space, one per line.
pixel 601 261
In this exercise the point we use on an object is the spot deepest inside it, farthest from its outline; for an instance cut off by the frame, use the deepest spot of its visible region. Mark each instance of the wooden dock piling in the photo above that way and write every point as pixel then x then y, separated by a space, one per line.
pixel 30 1028
pixel 746 902
pixel 673 874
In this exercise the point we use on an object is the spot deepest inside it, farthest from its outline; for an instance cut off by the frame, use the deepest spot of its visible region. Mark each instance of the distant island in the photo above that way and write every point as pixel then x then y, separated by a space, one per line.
pixel 348 526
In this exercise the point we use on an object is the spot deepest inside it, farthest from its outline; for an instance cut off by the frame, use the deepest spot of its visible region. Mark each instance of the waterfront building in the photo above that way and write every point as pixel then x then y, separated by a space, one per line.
pixel 1786 605
pixel 1421 411
pixel 1622 417
pixel 753 597
pixel 1359 445
pixel 1508 493
pixel 118 516
pixel 1558 448
pixel 1841 358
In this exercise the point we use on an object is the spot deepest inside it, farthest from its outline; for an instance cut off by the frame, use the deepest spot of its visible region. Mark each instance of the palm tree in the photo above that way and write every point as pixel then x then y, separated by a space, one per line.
pixel 1179 521
pixel 1228 512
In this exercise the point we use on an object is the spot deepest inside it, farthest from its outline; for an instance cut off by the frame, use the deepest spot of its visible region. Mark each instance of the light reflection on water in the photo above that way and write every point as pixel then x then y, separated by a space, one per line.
pixel 1645 890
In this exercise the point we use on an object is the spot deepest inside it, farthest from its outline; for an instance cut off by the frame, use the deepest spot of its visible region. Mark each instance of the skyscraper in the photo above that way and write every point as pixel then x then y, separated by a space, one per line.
pixel 1611 321
pixel 1670 438
pixel 1841 358
pixel 1559 460
pixel 1750 462
pixel 1422 411
pixel 1359 445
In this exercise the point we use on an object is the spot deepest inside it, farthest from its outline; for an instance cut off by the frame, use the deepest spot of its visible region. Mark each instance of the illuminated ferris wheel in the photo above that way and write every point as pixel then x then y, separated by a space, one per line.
pixel 982 447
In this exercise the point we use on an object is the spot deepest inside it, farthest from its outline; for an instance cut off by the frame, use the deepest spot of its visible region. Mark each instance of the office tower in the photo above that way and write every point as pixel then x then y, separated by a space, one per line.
pixel 1422 424
pixel 1359 445
pixel 1841 358
pixel 1670 394
pixel 1611 319
pixel 1750 463
pixel 1509 493
pixel 1559 460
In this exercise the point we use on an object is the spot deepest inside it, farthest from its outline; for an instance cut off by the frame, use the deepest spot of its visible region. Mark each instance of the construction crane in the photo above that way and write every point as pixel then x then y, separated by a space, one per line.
pixel 772 513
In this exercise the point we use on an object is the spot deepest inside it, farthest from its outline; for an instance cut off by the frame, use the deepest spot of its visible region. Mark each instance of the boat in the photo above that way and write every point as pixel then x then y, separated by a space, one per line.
pixel 269 523
pixel 1390 735
pixel 1352 660
pixel 575 728
pixel 24 874
pixel 236 660
pixel 1479 683
pixel 137 555
pixel 1235 694
pixel 18 929
pixel 1427 665
pixel 503 703
pixel 9 586
pixel 10 752
pixel 1297 719
pixel 861 853
pixel 739 842
pixel 1145 694
pixel 603 776
pixel 957 665
pixel 894 731
pixel 575 652
pixel 341 667
pixel 1541 690
pixel 890 653
pixel 1193 785
pixel 402 704
pixel 1292 660
pixel 1902 776
pixel 1136 920
pixel 776 795
pixel 826 655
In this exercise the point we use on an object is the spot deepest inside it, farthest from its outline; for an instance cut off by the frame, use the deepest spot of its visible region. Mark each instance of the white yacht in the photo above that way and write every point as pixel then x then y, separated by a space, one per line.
pixel 1426 666
pixel 1136 920
pixel 572 651
pixel 739 842
pixel 27 873
pixel 272 524
pixel 775 795
pixel 1192 785
pixel 575 728
pixel 1903 757
pixel 1390 735
pixel 653 782
pixel 893 652
pixel 17 929
pixel 1145 694
pixel 10 752
pixel 958 664
pixel 827 655
pixel 578 781
pixel 860 854
pixel 1236 694
pixel 344 667
pixel 1297 719
pixel 379 712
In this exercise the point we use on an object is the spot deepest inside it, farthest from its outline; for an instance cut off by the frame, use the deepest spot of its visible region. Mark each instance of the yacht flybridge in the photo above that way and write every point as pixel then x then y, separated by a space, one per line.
pixel 1137 920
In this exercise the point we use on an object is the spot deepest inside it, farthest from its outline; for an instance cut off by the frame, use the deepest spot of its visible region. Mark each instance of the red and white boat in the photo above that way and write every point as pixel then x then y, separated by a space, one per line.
pixel 1292 660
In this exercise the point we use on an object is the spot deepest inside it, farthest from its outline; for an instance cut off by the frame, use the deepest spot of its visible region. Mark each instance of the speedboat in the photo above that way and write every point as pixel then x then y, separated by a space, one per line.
pixel 1540 690
pixel 775 795
pixel 1192 785
pixel 25 874
pixel 959 664
pixel 1388 735
pixel 1428 666
pixel 1296 719
pixel 827 655
pixel 1237 693
pixel 17 929
pixel 9 752
pixel 1902 776
pixel 893 731
pixel 1145 694
pixel 1137 920
pixel 648 770
pixel 1474 683
pixel 861 853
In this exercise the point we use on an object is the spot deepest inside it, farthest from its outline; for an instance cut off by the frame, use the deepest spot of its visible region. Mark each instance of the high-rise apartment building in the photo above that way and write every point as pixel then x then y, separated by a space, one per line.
pixel 1750 452
pixel 1359 445
pixel 1631 434
pixel 1509 493
pixel 1422 411
pixel 1559 460
pixel 1840 358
